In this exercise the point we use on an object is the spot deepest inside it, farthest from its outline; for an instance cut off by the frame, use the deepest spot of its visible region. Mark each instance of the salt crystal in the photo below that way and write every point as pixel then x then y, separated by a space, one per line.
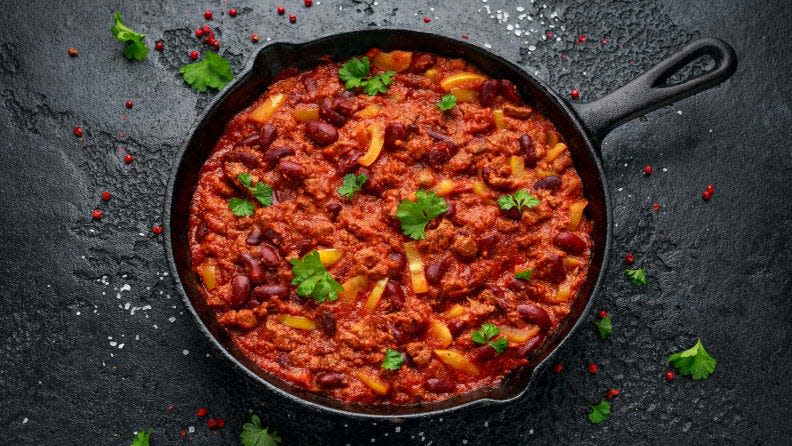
pixel 185 352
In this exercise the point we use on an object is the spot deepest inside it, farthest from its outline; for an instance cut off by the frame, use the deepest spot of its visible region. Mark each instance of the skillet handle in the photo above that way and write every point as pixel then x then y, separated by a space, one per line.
pixel 650 90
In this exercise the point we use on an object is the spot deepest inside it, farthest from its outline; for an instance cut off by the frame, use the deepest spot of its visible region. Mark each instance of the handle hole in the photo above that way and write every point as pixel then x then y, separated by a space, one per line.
pixel 691 70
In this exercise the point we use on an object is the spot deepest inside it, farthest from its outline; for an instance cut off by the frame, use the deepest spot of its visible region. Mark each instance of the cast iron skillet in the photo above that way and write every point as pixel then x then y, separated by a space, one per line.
pixel 583 126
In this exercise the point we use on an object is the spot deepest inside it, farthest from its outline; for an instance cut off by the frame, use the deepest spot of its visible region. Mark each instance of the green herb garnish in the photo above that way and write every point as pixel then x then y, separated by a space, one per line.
pixel 211 72
pixel 524 274
pixel 253 434
pixel 599 412
pixel 447 102
pixel 241 207
pixel 486 333
pixel 355 73
pixel 313 280
pixel 637 276
pixel 414 215
pixel 520 199
pixel 604 327
pixel 261 191
pixel 142 438
pixel 393 360
pixel 694 361
pixel 135 48
pixel 352 184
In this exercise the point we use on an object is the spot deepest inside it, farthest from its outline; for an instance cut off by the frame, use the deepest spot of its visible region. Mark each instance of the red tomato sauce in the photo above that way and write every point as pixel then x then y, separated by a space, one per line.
pixel 301 137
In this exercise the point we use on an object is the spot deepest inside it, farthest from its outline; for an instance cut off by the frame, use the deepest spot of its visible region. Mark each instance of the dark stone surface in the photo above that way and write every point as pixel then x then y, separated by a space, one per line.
pixel 718 270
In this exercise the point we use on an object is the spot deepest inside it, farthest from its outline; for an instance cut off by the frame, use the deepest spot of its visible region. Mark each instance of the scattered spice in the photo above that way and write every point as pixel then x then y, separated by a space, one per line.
pixel 201 412
pixel 254 38
pixel 604 41
pixel 308 3
pixel 281 10
pixel 159 45
pixel 582 38
pixel 232 12
pixel 603 314
pixel 575 93
pixel 648 170
pixel 707 194
pixel 106 196
pixel 208 14
pixel 73 52
pixel 199 32
pixel 292 18
pixel 629 258
pixel 128 159
pixel 592 368
pixel 558 368
pixel 194 55
pixel 669 375
pixel 655 207
pixel 612 393
pixel 550 34
pixel 211 423
pixel 427 19
pixel 129 103
pixel 78 131
pixel 156 229
pixel 97 214
pixel 220 423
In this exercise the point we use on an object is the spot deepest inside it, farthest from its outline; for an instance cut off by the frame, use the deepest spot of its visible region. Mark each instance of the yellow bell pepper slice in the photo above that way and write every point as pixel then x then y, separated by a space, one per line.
pixel 497 115
pixel 519 334
pixel 457 361
pixel 264 112
pixel 517 164
pixel 306 113
pixel 374 383
pixel 353 286
pixel 209 276
pixel 416 266
pixel 556 151
pixel 298 322
pixel 376 295
pixel 377 135
pixel 328 256
pixel 461 80
pixel 397 61
pixel 369 111
pixel 465 94
pixel 439 334
pixel 576 214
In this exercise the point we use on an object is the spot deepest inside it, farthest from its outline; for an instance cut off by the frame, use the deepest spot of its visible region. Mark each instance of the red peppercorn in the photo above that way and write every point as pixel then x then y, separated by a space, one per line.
pixel 199 32
pixel 201 412
pixel 558 368
pixel 156 229
pixel 655 207
pixel 669 375
pixel 603 314
pixel 582 38
pixel 211 423
pixel 575 93
pixel 78 131
pixel 208 15
pixel 206 29
pixel 159 45
pixel 550 34
pixel 706 195
pixel 194 55
pixel 97 214
pixel 182 433
pixel 106 196
pixel 73 52
pixel 292 18
pixel 648 170
pixel 220 423
pixel 232 12
pixel 281 10
pixel 710 188
pixel 604 41
pixel 129 103
pixel 592 368
pixel 254 38
pixel 128 159
pixel 308 3
pixel 427 19
pixel 629 259
pixel 612 393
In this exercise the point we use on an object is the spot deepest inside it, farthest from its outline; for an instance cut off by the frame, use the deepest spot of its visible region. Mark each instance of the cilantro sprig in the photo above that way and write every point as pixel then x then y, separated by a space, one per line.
pixel 142 438
pixel 253 434
pixel 447 102
pixel 313 280
pixel 356 74
pixel 485 335
pixel 135 47
pixel 599 412
pixel 636 276
pixel 520 199
pixel 415 215
pixel 694 361
pixel 260 191
pixel 213 71
pixel 524 274
pixel 352 184
pixel 604 327
pixel 393 360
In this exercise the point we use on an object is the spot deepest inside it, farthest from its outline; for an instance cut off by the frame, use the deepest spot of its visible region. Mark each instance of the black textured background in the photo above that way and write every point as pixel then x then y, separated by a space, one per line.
pixel 718 270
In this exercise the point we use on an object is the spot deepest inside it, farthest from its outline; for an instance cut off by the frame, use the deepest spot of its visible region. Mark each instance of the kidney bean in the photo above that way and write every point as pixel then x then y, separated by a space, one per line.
pixel 529 347
pixel 512 213
pixel 309 84
pixel 508 90
pixel 395 293
pixel 201 231
pixel 570 242
pixel 246 158
pixel 250 140
pixel 290 169
pixel 527 150
pixel 413 129
pixel 422 62
pixel 394 131
pixel 269 257
pixel 549 183
pixel 344 106
pixel 552 269
pixel 399 335
pixel 330 380
pixel 434 272
pixel 489 90
pixel 396 272
pixel 255 236
pixel 332 208
pixel 440 137
pixel 347 94
pixel 516 284
pixel 273 236
pixel 484 353
pixel 439 154
pixel 321 133
pixel 486 244
pixel 535 315
pixel 327 323
pixel 267 135
pixel 348 162
pixel 252 267
pixel 456 326
pixel 240 289
pixel 327 113
pixel 274 154
pixel 264 292
pixel 439 385
pixel 451 212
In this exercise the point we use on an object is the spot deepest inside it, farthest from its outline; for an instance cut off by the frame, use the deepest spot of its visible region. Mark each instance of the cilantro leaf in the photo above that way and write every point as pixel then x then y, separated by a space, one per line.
pixel 313 280
pixel 142 438
pixel 599 412
pixel 604 327
pixel 414 215
pixel 253 434
pixel 136 48
pixel 211 72
pixel 393 360
pixel 694 361
pixel 379 83
pixel 241 207
pixel 447 102
pixel 637 276
pixel 353 72
pixel 261 191
pixel 352 184
pixel 524 274
pixel 520 199
pixel 499 344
